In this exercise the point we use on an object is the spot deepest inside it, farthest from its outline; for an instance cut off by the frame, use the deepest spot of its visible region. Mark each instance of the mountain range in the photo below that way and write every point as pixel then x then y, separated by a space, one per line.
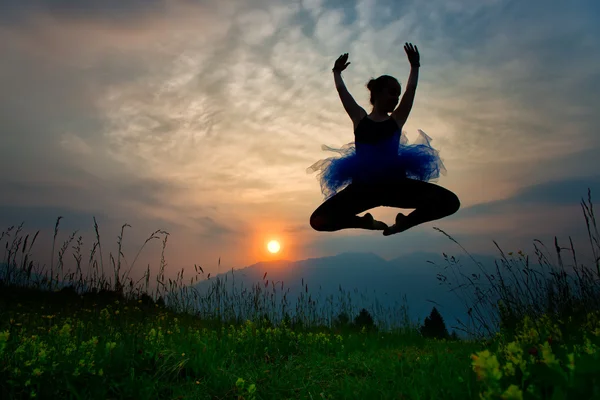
pixel 371 281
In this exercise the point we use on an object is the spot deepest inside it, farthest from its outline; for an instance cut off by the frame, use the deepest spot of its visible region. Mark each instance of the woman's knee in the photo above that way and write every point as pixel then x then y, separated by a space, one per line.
pixel 318 222
pixel 452 203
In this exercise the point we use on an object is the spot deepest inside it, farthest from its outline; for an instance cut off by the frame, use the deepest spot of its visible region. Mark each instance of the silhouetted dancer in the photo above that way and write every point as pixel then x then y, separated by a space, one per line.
pixel 380 168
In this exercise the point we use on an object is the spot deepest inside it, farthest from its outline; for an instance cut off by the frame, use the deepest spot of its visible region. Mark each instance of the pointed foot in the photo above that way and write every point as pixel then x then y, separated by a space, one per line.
pixel 373 224
pixel 399 226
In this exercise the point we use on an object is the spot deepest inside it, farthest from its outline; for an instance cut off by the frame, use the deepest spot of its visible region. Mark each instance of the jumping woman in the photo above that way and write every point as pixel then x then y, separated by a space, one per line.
pixel 380 168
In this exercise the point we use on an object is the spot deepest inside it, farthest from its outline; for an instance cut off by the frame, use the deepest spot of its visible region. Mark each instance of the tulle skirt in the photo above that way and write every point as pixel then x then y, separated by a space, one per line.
pixel 385 162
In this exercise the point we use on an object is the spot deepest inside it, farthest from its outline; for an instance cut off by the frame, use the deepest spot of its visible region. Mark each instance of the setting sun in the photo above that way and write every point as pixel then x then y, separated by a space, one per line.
pixel 273 246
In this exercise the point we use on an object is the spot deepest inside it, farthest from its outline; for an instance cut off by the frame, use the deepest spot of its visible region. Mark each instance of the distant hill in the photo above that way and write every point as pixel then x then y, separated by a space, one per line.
pixel 367 277
pixel 372 282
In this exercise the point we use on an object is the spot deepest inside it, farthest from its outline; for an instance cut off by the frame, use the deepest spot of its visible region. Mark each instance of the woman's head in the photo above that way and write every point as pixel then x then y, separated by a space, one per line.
pixel 385 92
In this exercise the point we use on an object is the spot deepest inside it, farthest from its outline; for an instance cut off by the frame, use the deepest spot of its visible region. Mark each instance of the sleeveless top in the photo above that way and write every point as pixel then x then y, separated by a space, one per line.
pixel 377 137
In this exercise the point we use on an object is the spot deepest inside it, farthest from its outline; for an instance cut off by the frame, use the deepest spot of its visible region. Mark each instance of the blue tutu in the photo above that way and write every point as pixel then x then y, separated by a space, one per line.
pixel 387 161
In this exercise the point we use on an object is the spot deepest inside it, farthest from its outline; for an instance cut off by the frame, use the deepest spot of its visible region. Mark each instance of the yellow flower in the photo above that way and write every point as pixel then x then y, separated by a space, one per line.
pixel 571 364
pixel 547 355
pixel 589 347
pixel 486 365
pixel 512 393
pixel 509 368
pixel 65 330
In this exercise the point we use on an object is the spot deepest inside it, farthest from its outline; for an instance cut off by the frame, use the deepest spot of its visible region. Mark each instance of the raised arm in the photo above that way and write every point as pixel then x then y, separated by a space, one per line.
pixel 402 112
pixel 355 112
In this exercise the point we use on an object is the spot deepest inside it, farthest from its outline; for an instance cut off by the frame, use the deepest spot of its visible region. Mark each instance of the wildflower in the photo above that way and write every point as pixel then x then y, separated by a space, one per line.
pixel 589 347
pixel 509 368
pixel 3 339
pixel 252 388
pixel 486 365
pixel 547 355
pixel 512 393
pixel 571 358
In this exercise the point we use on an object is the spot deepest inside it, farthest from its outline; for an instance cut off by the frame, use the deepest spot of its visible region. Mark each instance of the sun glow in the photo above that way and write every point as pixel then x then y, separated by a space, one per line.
pixel 273 246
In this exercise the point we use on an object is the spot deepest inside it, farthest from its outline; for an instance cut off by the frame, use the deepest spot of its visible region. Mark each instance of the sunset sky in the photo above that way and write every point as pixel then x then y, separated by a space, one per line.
pixel 201 117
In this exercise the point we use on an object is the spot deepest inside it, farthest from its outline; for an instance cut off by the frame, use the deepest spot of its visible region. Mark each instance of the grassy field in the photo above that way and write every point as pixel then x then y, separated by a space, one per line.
pixel 110 338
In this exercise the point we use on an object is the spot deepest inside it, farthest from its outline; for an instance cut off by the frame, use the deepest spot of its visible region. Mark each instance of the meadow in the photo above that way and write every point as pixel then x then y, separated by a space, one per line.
pixel 82 334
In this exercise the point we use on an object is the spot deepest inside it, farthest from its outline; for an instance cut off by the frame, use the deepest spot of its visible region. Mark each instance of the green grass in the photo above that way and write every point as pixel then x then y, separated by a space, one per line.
pixel 125 350
pixel 108 337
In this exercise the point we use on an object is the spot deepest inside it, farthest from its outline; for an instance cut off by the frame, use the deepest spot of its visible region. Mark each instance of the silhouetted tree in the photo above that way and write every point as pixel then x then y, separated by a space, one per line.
pixel 342 320
pixel 454 336
pixel 434 326
pixel 364 319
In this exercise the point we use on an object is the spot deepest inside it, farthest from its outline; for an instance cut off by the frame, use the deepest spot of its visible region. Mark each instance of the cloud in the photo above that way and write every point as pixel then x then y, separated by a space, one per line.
pixel 106 11
pixel 553 193
pixel 40 217
pixel 193 113
pixel 212 228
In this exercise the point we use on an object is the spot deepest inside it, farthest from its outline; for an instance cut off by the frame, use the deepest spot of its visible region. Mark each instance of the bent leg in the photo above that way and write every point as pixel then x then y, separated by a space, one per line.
pixel 340 211
pixel 430 201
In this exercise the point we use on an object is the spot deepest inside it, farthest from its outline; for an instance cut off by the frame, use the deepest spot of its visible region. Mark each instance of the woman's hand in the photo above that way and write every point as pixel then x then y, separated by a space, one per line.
pixel 412 52
pixel 340 63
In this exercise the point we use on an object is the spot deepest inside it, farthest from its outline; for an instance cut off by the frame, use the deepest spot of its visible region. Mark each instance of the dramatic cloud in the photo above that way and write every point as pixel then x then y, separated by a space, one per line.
pixel 203 116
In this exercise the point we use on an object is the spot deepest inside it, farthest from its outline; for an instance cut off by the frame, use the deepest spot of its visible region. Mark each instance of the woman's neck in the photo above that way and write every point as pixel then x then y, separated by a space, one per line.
pixel 377 115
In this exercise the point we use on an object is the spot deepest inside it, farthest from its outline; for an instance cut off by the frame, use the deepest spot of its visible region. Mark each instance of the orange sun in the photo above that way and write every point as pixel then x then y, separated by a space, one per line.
pixel 273 246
